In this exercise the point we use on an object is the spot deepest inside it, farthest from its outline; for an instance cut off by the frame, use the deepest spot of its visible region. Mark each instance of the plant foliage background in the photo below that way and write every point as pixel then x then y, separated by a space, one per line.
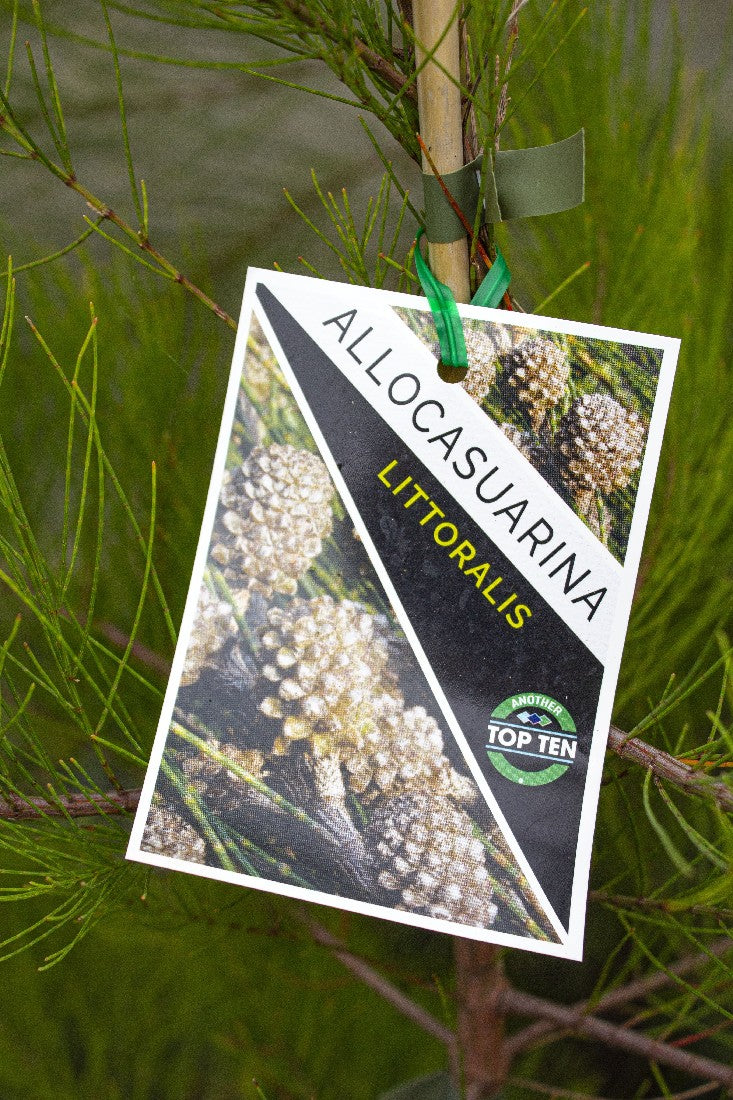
pixel 182 987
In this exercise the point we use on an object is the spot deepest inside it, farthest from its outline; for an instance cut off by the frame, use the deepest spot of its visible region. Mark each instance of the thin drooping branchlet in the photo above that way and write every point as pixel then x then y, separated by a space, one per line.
pixel 661 870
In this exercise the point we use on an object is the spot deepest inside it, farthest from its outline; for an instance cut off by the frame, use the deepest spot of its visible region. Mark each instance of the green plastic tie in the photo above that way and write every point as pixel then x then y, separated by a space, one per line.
pixel 445 313
pixel 453 355
pixel 494 284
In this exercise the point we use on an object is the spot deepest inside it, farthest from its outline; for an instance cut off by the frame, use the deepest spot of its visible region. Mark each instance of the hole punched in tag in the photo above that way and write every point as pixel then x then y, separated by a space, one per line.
pixel 451 374
pixel 453 361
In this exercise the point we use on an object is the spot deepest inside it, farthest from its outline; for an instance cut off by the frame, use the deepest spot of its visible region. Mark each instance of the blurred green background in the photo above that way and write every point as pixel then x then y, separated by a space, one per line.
pixel 187 988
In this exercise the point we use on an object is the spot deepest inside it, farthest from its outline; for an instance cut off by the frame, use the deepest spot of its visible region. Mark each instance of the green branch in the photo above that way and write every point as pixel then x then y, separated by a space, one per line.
pixel 10 124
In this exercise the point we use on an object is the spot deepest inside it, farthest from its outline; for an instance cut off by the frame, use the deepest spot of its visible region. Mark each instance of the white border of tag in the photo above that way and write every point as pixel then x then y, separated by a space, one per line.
pixel 571 945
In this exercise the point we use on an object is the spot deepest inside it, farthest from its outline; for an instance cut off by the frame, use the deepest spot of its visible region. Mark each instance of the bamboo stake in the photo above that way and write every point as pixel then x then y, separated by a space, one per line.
pixel 479 978
pixel 439 107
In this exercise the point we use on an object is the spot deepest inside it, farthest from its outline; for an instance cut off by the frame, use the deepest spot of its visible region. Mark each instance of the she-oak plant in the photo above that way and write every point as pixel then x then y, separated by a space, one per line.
pixel 662 872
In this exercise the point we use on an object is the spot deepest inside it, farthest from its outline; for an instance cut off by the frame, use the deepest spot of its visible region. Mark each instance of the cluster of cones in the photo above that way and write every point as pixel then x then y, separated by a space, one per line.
pixel 315 710
pixel 597 444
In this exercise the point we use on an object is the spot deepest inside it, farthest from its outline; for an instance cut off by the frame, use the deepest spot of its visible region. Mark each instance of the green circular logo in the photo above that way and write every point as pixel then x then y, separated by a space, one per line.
pixel 527 729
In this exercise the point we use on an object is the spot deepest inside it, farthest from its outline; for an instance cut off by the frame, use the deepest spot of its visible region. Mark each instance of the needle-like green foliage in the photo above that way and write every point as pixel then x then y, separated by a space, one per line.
pixel 103 471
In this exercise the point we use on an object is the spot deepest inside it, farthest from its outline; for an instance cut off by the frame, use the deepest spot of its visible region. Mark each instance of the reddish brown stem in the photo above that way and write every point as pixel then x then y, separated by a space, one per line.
pixel 661 905
pixel 480 983
pixel 381 985
pixel 377 64
pixel 623 995
pixel 567 1017
pixel 74 805
pixel 484 994
pixel 144 244
pixel 670 768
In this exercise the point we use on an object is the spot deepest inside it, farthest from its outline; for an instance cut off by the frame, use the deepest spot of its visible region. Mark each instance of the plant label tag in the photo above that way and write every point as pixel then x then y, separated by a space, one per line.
pixel 394 680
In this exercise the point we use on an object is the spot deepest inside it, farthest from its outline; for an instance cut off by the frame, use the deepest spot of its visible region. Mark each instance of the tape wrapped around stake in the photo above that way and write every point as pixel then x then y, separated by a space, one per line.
pixel 519 183
pixel 453 363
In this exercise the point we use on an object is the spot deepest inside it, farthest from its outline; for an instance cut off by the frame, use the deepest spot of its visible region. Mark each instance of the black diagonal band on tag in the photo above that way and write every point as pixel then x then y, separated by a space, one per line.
pixel 525 697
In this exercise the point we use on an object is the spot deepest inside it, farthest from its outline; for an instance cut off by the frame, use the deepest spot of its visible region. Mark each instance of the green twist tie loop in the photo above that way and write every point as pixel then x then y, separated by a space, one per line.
pixel 494 284
pixel 453 355
pixel 448 323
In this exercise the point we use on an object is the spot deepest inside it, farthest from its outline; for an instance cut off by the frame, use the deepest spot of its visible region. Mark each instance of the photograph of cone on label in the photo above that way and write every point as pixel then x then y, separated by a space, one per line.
pixel 375 702
pixel 577 408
